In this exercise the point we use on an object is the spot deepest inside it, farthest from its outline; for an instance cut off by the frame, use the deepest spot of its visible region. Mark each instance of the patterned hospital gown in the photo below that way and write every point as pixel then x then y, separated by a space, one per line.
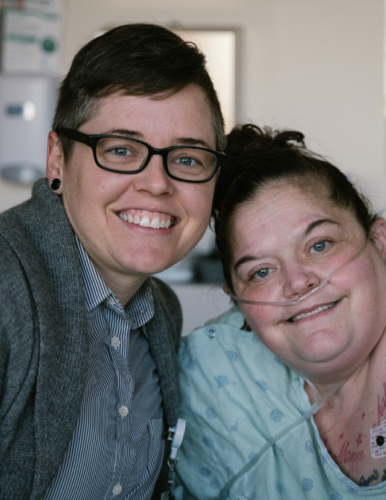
pixel 235 395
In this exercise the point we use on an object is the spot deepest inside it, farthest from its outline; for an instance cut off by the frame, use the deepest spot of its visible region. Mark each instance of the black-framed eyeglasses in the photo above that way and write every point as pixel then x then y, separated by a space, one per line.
pixel 124 155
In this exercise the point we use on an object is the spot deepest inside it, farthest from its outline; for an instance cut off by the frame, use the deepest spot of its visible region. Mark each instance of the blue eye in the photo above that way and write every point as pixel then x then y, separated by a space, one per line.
pixel 262 273
pixel 121 151
pixel 186 161
pixel 320 246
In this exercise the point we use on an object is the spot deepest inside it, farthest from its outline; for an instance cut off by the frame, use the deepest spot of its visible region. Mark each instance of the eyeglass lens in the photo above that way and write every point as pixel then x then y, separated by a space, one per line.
pixel 128 156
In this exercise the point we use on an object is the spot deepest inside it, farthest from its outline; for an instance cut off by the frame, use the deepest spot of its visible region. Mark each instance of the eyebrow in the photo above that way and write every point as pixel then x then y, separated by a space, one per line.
pixel 183 141
pixel 189 141
pixel 318 223
pixel 123 131
pixel 309 229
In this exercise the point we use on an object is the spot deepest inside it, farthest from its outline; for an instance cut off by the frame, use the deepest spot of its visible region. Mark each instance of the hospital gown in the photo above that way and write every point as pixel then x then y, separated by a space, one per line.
pixel 235 395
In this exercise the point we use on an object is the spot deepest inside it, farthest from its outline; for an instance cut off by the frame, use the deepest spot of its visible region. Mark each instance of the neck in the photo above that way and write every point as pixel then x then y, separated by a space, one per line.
pixel 362 392
pixel 123 287
pixel 338 395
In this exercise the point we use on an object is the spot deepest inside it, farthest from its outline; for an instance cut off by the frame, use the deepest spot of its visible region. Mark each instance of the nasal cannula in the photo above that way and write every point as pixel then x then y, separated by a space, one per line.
pixel 306 295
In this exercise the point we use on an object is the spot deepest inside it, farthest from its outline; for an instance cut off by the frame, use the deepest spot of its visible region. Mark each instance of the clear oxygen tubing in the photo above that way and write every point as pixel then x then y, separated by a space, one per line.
pixel 224 494
pixel 306 295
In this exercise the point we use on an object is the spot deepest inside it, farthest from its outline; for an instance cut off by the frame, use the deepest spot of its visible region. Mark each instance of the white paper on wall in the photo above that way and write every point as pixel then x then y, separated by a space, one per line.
pixel 32 38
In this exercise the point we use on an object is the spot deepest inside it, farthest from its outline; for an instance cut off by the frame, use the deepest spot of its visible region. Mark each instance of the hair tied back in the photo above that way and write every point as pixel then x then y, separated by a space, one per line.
pixel 250 136
pixel 283 140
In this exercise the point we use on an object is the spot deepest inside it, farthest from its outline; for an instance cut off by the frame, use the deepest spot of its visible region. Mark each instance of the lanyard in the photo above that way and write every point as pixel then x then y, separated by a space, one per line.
pixel 175 435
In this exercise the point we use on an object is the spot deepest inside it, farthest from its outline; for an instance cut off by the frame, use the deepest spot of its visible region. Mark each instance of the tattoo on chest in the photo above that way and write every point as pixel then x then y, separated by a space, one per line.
pixel 347 456
pixel 382 404
pixel 374 476
pixel 370 479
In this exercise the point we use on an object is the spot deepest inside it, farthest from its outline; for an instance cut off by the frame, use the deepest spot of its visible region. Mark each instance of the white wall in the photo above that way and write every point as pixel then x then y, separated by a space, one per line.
pixel 312 65
pixel 11 194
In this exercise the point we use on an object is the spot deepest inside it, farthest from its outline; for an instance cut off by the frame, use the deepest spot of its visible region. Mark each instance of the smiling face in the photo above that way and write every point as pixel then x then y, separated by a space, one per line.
pixel 286 241
pixel 136 225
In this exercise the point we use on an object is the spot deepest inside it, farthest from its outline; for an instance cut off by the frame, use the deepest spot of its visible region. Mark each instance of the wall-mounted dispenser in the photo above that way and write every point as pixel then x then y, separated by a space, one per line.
pixel 27 105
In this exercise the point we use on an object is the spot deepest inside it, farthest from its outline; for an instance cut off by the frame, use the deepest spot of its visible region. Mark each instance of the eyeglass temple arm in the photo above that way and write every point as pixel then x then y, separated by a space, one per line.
pixel 223 159
pixel 75 135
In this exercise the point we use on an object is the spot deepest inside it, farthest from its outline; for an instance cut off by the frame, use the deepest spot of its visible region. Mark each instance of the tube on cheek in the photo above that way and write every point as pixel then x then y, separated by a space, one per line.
pixel 306 295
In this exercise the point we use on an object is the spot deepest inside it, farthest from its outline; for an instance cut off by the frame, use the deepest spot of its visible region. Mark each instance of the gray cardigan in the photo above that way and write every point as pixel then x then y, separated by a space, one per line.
pixel 44 344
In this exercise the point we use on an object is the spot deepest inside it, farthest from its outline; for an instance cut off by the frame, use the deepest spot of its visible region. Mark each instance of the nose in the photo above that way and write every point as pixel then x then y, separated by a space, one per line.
pixel 154 178
pixel 299 280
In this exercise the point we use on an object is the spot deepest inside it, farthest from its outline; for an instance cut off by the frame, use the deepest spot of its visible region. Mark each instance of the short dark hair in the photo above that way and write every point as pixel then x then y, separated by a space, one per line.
pixel 259 158
pixel 133 59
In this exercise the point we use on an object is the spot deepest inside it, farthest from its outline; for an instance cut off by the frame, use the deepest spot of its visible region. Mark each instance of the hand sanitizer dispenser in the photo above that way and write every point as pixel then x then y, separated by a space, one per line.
pixel 27 105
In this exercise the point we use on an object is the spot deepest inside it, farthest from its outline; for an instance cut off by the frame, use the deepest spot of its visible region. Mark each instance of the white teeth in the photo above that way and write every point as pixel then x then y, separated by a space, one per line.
pixel 306 315
pixel 155 223
pixel 145 221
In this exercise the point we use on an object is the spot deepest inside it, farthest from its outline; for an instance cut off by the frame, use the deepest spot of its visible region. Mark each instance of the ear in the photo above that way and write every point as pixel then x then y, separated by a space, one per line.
pixel 226 289
pixel 55 160
pixel 378 235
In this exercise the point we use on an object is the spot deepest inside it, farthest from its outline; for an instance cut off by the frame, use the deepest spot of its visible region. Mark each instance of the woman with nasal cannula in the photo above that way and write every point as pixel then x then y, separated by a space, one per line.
pixel 285 395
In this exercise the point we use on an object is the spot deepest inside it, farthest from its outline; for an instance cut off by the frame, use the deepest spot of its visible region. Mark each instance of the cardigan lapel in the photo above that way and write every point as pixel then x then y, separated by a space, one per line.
pixel 41 235
pixel 161 333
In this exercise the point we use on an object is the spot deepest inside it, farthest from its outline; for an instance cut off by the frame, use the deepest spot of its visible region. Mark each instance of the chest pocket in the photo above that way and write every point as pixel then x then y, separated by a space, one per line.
pixel 149 451
pixel 156 428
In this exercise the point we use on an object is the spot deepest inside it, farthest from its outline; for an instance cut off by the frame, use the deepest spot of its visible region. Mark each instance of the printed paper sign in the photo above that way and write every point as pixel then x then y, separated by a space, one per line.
pixel 32 38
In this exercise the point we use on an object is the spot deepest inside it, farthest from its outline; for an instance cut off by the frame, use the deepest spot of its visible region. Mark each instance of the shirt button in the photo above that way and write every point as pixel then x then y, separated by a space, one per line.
pixel 117 489
pixel 211 333
pixel 123 411
pixel 115 342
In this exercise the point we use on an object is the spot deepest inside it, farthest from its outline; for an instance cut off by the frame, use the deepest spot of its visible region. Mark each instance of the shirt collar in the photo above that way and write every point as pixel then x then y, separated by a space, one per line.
pixel 140 309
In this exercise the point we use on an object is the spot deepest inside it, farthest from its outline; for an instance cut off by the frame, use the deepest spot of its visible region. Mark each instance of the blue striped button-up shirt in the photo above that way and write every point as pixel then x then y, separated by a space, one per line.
pixel 116 451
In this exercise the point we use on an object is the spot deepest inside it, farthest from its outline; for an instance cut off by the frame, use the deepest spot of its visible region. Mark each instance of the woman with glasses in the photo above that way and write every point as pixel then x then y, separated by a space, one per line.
pixel 88 337
pixel 285 395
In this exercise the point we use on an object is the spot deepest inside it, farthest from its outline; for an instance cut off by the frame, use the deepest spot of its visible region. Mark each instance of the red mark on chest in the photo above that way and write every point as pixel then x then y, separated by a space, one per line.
pixel 382 405
pixel 341 436
pixel 347 456
pixel 359 439
pixel 363 415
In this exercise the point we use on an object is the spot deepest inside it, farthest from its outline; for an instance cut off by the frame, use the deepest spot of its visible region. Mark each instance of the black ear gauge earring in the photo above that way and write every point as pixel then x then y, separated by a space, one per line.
pixel 55 184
